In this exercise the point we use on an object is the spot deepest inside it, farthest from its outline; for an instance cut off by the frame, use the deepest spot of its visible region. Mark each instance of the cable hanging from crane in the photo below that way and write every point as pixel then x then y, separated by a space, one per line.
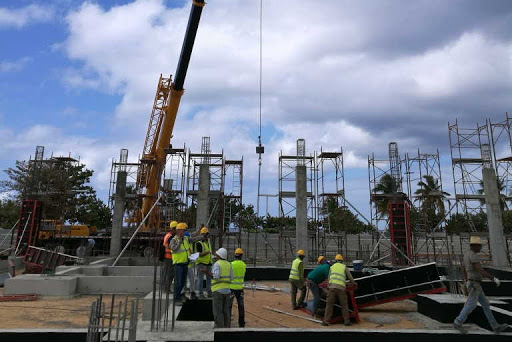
pixel 260 149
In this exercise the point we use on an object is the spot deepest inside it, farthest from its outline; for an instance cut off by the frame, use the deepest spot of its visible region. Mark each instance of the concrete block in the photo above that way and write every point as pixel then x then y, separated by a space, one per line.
pixel 68 270
pixel 117 285
pixel 93 270
pixel 61 286
pixel 146 271
pixel 160 308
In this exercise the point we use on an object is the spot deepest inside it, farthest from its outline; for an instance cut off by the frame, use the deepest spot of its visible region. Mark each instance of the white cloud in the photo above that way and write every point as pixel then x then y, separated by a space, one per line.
pixel 341 75
pixel 14 66
pixel 19 17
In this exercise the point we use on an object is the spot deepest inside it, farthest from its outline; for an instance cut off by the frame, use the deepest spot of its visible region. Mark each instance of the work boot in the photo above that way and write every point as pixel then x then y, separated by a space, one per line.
pixel 302 305
pixel 460 328
pixel 500 328
pixel 325 324
pixel 348 323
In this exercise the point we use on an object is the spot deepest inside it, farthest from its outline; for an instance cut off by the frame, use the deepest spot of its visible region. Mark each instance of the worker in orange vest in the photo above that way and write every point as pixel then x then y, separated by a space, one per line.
pixel 168 269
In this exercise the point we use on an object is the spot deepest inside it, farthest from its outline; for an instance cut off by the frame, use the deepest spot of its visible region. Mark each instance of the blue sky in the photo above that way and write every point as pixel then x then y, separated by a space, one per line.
pixel 80 77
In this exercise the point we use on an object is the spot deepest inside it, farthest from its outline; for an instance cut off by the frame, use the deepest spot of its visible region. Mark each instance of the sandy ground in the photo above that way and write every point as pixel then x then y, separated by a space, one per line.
pixel 48 312
pixel 398 315
pixel 74 313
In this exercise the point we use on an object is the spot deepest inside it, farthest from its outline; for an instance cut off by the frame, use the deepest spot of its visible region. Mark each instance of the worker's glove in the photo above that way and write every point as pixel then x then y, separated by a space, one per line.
pixel 496 281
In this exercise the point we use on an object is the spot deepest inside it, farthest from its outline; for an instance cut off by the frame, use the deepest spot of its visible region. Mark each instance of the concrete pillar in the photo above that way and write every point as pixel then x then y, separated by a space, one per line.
pixel 117 217
pixel 202 196
pixel 301 209
pixel 494 218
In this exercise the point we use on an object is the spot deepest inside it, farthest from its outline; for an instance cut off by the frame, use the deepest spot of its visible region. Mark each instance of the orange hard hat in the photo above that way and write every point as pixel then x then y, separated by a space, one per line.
pixel 182 225
pixel 204 230
pixel 301 252
pixel 338 257
pixel 239 251
pixel 320 258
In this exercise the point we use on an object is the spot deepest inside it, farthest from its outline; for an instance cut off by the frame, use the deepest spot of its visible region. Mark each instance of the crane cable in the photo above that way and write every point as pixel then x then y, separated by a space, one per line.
pixel 260 91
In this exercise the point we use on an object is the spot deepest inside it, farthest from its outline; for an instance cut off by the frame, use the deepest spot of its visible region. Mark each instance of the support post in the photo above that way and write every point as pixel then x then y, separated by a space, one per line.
pixel 494 218
pixel 301 211
pixel 117 218
pixel 202 196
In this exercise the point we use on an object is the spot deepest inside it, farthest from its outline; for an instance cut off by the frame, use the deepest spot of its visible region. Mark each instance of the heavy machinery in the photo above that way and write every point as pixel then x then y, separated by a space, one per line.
pixel 160 128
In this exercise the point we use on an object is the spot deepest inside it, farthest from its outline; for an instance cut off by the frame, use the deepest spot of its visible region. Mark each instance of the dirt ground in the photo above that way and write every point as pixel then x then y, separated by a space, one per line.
pixel 74 313
pixel 48 312
pixel 398 315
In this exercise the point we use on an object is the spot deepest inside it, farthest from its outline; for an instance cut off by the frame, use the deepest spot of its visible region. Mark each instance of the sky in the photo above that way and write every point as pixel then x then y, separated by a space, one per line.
pixel 80 77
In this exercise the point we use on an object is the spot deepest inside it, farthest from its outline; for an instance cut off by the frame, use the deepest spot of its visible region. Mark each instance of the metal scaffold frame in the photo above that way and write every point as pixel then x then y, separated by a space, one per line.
pixel 131 170
pixel 174 182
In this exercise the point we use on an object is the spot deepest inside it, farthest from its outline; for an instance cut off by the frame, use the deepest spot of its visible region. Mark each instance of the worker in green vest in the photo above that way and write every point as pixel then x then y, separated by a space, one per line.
pixel 237 285
pixel 315 278
pixel 297 281
pixel 222 275
pixel 204 262
pixel 181 249
pixel 338 275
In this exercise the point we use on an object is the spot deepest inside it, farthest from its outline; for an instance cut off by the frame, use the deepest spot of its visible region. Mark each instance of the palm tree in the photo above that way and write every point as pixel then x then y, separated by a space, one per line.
pixel 501 187
pixel 387 186
pixel 431 195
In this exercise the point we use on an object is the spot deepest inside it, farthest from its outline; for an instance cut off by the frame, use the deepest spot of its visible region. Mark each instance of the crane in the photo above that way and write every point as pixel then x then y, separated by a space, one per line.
pixel 161 125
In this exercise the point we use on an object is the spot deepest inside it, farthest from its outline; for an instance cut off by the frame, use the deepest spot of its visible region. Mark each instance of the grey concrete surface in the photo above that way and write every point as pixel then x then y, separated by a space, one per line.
pixel 183 331
pixel 61 286
pixel 301 209
pixel 147 306
pixel 117 285
pixel 117 217
pixel 494 218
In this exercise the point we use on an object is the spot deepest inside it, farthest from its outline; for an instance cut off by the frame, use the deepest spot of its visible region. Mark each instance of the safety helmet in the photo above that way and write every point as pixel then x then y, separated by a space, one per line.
pixel 338 257
pixel 173 224
pixel 182 225
pixel 320 259
pixel 204 230
pixel 301 252
pixel 239 251
pixel 222 253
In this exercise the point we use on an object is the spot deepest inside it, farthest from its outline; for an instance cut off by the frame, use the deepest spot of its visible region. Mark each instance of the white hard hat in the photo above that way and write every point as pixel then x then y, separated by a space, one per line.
pixel 222 253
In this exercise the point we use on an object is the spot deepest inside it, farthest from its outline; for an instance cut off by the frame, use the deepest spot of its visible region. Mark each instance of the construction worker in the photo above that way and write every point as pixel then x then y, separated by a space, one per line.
pixel 237 285
pixel 168 269
pixel 473 275
pixel 297 282
pixel 222 274
pixel 315 278
pixel 204 262
pixel 338 275
pixel 181 249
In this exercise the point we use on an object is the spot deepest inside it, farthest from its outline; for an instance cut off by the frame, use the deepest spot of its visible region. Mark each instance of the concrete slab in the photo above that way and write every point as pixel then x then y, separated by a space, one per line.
pixel 165 305
pixel 131 270
pixel 183 331
pixel 61 286
pixel 117 285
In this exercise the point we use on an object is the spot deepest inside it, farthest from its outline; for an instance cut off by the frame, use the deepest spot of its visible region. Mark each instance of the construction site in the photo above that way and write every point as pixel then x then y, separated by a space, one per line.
pixel 63 280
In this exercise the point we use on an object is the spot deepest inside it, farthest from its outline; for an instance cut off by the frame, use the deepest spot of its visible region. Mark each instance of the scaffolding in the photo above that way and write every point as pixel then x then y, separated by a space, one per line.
pixel 131 170
pixel 174 182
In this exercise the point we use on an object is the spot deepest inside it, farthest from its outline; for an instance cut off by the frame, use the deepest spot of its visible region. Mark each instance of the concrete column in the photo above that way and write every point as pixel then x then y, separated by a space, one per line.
pixel 301 209
pixel 117 217
pixel 494 218
pixel 202 196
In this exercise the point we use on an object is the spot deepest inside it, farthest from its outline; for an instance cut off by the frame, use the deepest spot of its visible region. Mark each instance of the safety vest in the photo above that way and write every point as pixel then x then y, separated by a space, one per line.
pixel 205 259
pixel 181 255
pixel 168 253
pixel 294 272
pixel 225 274
pixel 337 275
pixel 238 275
pixel 192 264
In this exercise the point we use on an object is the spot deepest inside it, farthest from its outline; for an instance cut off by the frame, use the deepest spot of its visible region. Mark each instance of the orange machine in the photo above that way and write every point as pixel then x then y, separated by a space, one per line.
pixel 161 125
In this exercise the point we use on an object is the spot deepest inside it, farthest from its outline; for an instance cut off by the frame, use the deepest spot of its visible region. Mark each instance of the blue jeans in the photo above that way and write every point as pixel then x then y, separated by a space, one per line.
pixel 180 278
pixel 199 279
pixel 315 290
pixel 476 294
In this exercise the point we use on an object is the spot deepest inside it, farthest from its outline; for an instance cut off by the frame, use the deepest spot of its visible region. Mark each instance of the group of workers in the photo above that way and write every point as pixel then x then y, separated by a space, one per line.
pixel 337 276
pixel 191 257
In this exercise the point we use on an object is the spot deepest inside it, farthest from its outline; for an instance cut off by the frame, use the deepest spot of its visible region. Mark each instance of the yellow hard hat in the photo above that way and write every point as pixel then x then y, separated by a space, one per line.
pixel 173 224
pixel 301 252
pixel 182 225
pixel 239 251
pixel 204 230
pixel 338 257
pixel 320 258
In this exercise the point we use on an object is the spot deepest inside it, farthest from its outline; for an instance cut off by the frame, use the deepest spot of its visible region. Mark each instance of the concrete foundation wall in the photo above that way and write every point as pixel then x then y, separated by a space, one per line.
pixel 121 285
pixel 61 286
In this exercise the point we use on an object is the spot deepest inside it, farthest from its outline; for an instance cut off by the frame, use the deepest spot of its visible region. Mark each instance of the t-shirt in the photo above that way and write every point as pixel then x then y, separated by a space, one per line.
pixel 469 259
pixel 319 274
